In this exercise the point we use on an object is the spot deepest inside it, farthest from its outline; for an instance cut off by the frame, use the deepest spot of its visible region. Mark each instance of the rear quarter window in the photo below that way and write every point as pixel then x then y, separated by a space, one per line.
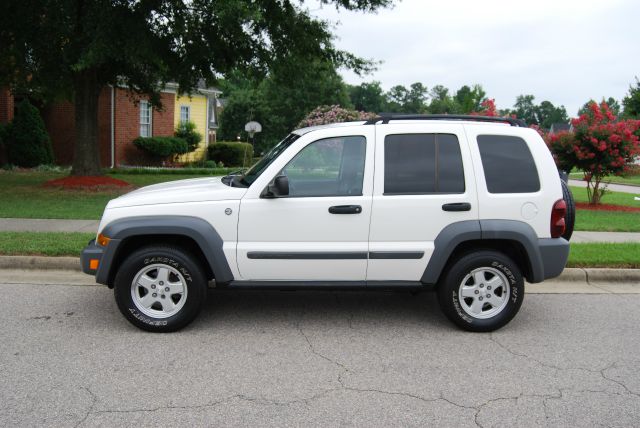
pixel 508 164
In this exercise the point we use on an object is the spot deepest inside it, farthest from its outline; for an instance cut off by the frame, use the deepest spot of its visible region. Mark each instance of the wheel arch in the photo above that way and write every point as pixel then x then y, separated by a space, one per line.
pixel 516 239
pixel 192 233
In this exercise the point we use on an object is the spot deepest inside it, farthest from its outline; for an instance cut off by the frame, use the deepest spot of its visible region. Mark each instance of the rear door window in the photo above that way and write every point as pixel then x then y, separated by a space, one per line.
pixel 508 164
pixel 422 164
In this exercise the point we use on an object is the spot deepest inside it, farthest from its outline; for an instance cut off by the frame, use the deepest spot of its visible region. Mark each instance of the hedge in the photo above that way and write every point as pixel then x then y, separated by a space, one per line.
pixel 231 153
pixel 162 147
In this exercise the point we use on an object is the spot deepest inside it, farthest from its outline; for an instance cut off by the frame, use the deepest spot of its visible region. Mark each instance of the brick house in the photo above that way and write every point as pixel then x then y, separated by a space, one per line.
pixel 123 117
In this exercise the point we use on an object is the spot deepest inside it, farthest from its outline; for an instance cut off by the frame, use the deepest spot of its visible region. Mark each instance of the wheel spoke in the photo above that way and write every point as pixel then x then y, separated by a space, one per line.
pixel 146 281
pixel 468 291
pixel 163 275
pixel 148 300
pixel 478 278
pixel 167 304
pixel 495 282
pixel 476 306
pixel 496 301
pixel 176 288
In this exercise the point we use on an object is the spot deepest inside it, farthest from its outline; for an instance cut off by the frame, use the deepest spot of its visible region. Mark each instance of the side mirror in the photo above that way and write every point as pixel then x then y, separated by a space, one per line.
pixel 277 189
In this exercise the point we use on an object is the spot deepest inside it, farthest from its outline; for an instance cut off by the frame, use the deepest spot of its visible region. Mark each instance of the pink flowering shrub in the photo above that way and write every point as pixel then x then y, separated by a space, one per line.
pixel 333 114
pixel 600 146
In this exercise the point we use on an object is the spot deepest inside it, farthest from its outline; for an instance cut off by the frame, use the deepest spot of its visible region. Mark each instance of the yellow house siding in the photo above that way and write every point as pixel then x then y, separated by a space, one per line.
pixel 198 106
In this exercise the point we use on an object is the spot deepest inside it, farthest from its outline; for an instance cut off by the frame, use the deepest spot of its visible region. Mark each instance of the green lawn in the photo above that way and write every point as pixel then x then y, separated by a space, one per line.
pixel 23 196
pixel 618 255
pixel 43 243
pixel 626 255
pixel 604 221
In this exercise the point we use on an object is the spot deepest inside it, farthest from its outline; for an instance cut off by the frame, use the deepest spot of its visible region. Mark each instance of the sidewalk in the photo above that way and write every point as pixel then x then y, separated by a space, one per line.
pixel 47 225
pixel 91 226
pixel 613 187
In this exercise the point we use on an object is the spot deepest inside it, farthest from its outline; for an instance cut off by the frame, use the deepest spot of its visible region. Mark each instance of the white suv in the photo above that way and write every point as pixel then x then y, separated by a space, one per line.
pixel 471 205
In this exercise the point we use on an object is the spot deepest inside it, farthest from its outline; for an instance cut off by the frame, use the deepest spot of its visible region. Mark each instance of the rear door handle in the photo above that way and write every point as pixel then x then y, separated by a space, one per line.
pixel 345 209
pixel 457 206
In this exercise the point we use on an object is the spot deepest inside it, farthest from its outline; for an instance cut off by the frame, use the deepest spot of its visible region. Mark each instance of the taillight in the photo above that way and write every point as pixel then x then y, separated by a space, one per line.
pixel 557 218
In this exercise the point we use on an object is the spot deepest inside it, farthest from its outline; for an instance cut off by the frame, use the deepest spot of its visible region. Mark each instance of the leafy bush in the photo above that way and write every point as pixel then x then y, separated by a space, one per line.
pixel 187 131
pixel 231 153
pixel 27 142
pixel 162 147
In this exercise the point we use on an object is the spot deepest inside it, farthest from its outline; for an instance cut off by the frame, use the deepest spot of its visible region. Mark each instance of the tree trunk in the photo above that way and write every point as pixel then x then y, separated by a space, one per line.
pixel 86 158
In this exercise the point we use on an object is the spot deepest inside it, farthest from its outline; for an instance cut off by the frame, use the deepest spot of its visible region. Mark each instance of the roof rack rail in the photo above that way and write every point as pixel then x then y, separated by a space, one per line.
pixel 386 117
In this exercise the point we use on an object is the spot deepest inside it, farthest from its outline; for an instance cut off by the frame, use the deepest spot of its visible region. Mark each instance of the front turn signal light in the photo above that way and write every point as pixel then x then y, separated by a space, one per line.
pixel 102 240
pixel 93 264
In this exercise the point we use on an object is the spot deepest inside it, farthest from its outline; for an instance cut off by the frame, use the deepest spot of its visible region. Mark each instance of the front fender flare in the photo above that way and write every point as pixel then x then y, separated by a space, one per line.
pixel 202 232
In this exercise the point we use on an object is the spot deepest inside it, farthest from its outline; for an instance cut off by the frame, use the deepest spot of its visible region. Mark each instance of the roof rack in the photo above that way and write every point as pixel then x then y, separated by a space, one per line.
pixel 386 117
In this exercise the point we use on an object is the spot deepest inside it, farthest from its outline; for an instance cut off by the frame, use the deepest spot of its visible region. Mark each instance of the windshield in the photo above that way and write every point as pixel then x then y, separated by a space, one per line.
pixel 254 172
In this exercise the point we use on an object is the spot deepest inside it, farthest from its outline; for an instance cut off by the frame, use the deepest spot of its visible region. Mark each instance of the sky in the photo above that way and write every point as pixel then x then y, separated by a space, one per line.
pixel 564 51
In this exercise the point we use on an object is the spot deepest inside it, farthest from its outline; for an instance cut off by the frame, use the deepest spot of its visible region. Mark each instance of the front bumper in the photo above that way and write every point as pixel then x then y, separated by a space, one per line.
pixel 88 257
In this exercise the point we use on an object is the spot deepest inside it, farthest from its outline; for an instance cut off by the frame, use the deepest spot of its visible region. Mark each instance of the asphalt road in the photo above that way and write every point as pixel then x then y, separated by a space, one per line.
pixel 68 358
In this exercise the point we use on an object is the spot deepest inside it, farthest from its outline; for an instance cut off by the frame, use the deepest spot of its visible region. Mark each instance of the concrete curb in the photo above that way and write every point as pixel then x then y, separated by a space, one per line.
pixel 569 274
pixel 40 263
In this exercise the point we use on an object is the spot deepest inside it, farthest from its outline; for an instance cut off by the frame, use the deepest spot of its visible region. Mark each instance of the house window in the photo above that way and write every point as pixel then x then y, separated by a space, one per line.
pixel 145 119
pixel 185 114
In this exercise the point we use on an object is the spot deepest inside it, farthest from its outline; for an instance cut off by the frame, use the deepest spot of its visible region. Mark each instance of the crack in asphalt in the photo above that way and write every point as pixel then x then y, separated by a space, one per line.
pixel 94 400
pixel 601 372
pixel 344 387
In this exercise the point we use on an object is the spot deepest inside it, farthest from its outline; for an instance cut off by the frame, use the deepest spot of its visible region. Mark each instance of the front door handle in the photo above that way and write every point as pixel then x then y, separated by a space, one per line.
pixel 345 209
pixel 457 206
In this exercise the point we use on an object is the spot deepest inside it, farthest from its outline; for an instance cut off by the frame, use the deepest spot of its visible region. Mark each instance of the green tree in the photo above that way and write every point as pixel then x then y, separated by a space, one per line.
pixel 28 143
pixel 469 99
pixel 73 48
pixel 291 90
pixel 368 97
pixel 441 101
pixel 526 109
pixel 631 102
pixel 408 100
pixel 396 98
pixel 547 114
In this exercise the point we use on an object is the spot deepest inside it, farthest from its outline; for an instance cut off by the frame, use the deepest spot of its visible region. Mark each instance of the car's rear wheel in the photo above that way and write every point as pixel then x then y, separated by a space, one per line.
pixel 482 291
pixel 570 217
pixel 160 289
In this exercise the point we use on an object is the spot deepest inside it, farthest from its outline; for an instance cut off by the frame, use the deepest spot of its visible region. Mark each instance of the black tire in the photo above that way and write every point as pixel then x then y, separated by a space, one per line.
pixel 494 264
pixel 570 217
pixel 195 283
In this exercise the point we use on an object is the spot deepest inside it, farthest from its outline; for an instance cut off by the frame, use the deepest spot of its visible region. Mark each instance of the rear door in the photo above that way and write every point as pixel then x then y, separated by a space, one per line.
pixel 423 183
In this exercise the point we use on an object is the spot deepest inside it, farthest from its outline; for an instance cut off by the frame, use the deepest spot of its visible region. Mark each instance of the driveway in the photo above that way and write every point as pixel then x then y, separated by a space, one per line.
pixel 68 358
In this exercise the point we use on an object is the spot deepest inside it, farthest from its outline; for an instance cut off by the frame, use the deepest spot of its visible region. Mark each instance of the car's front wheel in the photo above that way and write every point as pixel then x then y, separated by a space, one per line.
pixel 160 289
pixel 482 291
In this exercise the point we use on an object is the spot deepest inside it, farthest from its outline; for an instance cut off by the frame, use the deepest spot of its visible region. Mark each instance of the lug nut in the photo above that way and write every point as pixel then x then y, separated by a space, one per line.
pixel 166 289
pixel 161 282
pixel 477 292
pixel 155 294
pixel 488 295
pixel 488 287
pixel 480 298
pixel 153 286
pixel 162 296
pixel 481 285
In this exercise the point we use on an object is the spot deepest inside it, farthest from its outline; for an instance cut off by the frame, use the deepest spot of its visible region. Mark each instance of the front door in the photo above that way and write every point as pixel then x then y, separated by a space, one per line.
pixel 319 232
